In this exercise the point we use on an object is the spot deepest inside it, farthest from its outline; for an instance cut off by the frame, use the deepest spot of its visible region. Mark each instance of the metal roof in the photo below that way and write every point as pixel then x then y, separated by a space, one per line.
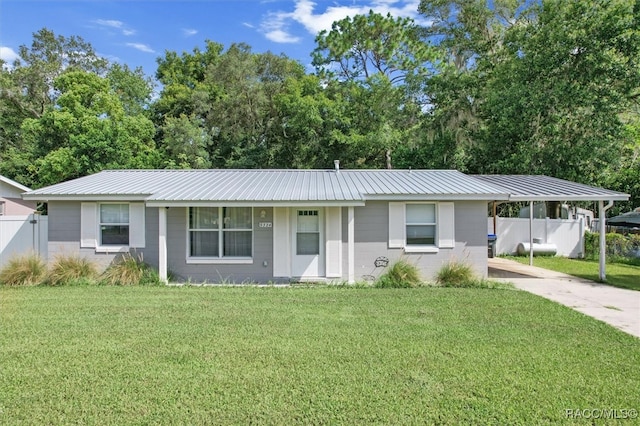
pixel 545 188
pixel 344 187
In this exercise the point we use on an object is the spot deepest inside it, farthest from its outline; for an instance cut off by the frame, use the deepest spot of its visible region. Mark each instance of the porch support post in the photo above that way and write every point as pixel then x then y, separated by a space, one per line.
pixel 351 247
pixel 162 244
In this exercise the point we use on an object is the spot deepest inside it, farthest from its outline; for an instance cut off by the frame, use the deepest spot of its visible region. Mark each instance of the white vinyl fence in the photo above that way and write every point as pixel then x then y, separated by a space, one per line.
pixel 566 234
pixel 23 235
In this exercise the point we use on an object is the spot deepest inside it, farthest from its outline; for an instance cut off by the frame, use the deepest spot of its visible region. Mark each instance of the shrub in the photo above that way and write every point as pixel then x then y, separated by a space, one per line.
pixel 29 269
pixel 129 270
pixel 456 274
pixel 617 245
pixel 70 270
pixel 460 275
pixel 401 274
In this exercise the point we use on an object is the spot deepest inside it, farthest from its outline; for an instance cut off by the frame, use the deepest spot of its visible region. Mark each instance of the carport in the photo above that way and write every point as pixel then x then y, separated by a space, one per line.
pixel 532 188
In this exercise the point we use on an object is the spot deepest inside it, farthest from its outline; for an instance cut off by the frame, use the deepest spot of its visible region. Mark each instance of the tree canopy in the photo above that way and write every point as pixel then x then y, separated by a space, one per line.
pixel 500 86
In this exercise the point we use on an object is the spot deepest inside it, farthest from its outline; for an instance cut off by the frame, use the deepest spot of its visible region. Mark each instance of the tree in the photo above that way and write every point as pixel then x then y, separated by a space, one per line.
pixel 87 130
pixel 381 65
pixel 361 47
pixel 554 101
pixel 132 88
pixel 27 91
pixel 186 142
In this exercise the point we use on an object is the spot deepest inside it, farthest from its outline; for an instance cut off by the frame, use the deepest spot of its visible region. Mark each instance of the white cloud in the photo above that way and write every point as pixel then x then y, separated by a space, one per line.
pixel 275 25
pixel 188 32
pixel 115 24
pixel 248 25
pixel 280 36
pixel 109 23
pixel 141 47
pixel 8 55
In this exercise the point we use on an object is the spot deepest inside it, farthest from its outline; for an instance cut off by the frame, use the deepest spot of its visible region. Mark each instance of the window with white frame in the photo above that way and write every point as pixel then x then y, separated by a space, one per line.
pixel 420 224
pixel 422 227
pixel 114 224
pixel 220 232
pixel 308 233
pixel 1 208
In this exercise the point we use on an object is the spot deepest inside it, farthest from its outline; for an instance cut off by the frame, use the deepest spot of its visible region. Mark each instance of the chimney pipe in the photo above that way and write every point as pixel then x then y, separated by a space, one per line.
pixel 336 165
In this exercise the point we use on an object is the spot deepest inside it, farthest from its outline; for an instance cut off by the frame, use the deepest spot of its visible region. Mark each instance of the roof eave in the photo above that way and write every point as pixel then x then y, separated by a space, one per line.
pixel 602 197
pixel 13 183
pixel 255 203
pixel 84 197
pixel 437 197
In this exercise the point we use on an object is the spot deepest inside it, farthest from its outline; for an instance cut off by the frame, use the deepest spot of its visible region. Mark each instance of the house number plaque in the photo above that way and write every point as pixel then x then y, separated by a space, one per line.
pixel 265 225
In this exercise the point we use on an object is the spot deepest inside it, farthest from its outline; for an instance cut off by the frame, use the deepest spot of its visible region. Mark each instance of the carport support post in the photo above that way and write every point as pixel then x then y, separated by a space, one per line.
pixel 603 241
pixel 530 233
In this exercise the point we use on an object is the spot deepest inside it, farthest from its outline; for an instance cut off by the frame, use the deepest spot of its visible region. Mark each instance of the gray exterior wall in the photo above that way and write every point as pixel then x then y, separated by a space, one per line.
pixel 216 273
pixel 372 240
pixel 64 235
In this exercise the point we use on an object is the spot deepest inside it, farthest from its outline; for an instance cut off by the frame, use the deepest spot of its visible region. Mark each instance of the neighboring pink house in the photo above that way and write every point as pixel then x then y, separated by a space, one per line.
pixel 11 202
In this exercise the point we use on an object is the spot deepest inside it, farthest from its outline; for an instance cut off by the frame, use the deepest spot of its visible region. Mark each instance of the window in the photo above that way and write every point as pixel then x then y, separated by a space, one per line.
pixel 114 224
pixel 220 232
pixel 421 224
pixel 308 233
pixel 422 227
pixel 1 208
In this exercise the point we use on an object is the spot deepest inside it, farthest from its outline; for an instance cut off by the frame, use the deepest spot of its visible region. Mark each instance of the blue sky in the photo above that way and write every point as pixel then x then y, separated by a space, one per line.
pixel 137 32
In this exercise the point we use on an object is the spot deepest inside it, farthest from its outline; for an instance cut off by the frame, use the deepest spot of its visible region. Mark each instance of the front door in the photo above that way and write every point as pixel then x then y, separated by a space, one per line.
pixel 307 244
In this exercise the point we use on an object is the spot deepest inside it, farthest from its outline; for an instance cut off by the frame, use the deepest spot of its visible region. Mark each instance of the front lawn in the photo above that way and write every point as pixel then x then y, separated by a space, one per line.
pixel 618 274
pixel 202 355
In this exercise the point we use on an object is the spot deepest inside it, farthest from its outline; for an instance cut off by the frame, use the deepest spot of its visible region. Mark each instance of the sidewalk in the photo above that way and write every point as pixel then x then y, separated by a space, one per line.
pixel 615 306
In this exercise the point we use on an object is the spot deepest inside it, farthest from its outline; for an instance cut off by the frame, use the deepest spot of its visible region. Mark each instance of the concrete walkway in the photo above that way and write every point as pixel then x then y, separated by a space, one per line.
pixel 615 306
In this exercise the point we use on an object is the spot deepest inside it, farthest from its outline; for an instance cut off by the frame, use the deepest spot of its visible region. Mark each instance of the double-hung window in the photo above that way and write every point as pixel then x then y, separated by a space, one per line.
pixel 421 224
pixel 114 224
pixel 220 232
pixel 422 227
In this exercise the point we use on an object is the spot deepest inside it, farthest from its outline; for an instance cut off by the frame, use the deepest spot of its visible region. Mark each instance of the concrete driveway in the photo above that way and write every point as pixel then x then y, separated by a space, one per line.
pixel 615 306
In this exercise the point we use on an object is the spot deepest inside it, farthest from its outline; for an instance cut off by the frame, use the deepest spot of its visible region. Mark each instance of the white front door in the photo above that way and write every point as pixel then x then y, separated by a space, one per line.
pixel 307 243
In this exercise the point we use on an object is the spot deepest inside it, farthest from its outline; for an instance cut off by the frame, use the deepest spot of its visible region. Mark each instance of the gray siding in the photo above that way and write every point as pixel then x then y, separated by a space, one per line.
pixel 371 242
pixel 64 235
pixel 372 237
pixel 216 273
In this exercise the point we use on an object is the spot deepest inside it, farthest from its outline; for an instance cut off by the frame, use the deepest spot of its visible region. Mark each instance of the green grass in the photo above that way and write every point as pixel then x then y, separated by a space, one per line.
pixel 202 355
pixel 621 275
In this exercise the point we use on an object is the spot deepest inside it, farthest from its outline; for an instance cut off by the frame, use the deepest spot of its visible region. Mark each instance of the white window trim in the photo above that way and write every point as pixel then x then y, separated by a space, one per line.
pixel 112 248
pixel 220 260
pixel 90 232
pixel 422 248
pixel 444 232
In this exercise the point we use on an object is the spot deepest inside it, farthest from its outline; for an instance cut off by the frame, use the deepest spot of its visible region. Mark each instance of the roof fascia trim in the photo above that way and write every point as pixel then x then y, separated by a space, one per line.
pixel 439 197
pixel 222 203
pixel 603 197
pixel 66 197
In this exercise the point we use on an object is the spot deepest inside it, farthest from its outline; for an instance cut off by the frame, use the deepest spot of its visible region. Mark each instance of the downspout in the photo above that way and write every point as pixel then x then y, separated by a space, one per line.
pixel 603 242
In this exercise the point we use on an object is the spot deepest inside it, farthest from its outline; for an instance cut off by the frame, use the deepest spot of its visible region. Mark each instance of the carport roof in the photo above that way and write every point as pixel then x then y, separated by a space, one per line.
pixel 545 188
